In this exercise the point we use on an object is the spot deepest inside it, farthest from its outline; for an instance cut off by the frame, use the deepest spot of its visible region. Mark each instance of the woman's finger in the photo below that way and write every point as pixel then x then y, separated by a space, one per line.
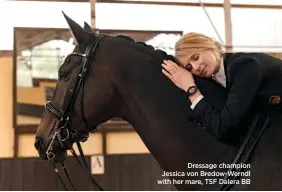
pixel 167 74
pixel 168 68
pixel 171 64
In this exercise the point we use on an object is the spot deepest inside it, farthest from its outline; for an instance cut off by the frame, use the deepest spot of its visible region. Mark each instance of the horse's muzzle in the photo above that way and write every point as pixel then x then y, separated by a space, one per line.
pixel 59 154
pixel 38 143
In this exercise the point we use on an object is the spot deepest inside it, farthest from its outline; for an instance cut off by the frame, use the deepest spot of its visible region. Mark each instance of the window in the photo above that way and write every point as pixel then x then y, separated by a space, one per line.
pixel 145 17
pixel 38 14
pixel 42 61
pixel 259 31
pixel 257 2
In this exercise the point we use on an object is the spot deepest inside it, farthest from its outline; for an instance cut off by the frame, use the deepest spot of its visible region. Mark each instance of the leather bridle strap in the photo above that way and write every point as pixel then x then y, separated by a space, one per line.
pixel 85 166
pixel 259 124
pixel 66 115
pixel 53 110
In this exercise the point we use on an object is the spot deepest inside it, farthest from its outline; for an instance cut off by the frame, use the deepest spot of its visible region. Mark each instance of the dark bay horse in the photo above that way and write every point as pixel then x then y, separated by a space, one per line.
pixel 124 79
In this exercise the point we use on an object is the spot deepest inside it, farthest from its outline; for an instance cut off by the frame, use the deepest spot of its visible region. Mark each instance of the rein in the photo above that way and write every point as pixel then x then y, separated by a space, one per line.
pixel 63 132
pixel 255 131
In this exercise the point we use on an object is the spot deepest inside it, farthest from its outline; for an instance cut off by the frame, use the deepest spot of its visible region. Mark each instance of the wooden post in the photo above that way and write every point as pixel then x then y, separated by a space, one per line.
pixel 93 13
pixel 228 25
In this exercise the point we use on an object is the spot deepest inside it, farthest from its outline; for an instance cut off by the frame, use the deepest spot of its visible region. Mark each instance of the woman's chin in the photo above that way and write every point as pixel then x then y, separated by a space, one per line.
pixel 207 75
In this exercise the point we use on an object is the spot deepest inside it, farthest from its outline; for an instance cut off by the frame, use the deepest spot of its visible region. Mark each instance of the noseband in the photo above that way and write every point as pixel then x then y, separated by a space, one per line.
pixel 64 131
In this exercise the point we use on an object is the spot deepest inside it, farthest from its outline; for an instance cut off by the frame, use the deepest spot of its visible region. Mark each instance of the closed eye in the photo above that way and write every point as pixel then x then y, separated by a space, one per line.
pixel 195 56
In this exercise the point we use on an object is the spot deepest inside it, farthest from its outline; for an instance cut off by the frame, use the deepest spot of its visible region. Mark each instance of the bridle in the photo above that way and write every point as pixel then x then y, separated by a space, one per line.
pixel 64 131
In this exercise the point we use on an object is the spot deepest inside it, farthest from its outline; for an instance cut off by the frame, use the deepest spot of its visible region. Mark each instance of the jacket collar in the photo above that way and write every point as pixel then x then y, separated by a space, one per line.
pixel 226 57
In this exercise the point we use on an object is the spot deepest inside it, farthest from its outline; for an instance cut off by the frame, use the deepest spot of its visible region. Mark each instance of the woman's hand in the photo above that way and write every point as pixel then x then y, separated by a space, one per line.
pixel 178 75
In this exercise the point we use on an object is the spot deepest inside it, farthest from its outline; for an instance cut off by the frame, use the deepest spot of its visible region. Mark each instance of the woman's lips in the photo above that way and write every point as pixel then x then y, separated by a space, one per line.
pixel 202 72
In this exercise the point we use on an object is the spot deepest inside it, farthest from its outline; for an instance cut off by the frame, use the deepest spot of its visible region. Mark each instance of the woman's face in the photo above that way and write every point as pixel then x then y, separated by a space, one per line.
pixel 204 63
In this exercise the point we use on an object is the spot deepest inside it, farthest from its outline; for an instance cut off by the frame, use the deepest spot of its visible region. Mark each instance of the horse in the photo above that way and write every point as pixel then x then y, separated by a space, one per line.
pixel 106 77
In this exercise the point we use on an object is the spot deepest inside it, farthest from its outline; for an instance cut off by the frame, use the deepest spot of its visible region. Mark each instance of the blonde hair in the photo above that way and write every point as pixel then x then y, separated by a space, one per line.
pixel 196 42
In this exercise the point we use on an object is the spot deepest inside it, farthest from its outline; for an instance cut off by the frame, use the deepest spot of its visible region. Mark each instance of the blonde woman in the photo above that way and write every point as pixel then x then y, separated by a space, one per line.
pixel 248 77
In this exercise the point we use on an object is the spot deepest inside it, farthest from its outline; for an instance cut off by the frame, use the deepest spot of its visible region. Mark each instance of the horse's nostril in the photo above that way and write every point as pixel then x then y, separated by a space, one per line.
pixel 37 143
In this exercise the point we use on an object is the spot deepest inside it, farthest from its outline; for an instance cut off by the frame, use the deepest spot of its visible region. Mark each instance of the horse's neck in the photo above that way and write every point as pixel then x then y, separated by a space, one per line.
pixel 159 112
pixel 161 118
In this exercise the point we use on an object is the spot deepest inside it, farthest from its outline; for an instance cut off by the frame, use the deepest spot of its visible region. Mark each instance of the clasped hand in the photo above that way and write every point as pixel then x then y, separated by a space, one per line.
pixel 182 78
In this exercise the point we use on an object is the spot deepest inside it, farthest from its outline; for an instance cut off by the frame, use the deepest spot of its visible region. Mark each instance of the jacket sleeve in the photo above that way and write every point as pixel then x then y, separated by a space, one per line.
pixel 245 75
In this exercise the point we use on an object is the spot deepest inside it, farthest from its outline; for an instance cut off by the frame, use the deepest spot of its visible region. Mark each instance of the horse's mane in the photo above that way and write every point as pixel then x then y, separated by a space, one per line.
pixel 148 48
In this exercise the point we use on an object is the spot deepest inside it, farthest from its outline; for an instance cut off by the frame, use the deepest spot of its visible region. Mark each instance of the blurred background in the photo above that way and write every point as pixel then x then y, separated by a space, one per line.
pixel 34 39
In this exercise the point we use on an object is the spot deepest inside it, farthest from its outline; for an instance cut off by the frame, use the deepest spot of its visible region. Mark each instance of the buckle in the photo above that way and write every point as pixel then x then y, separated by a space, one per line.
pixel 60 136
pixel 76 136
pixel 50 156
pixel 85 138
pixel 274 100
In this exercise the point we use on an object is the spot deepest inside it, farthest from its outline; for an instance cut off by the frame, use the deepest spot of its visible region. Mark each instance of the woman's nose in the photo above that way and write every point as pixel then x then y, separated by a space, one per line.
pixel 195 66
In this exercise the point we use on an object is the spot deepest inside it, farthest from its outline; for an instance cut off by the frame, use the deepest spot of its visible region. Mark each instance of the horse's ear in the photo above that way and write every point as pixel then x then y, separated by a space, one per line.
pixel 80 36
pixel 87 27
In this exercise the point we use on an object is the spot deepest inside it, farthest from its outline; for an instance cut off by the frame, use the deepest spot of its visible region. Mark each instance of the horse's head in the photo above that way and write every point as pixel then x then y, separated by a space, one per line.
pixel 73 110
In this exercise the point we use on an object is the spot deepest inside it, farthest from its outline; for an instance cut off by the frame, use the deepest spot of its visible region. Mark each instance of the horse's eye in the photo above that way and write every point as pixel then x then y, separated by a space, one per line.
pixel 62 75
pixel 68 59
